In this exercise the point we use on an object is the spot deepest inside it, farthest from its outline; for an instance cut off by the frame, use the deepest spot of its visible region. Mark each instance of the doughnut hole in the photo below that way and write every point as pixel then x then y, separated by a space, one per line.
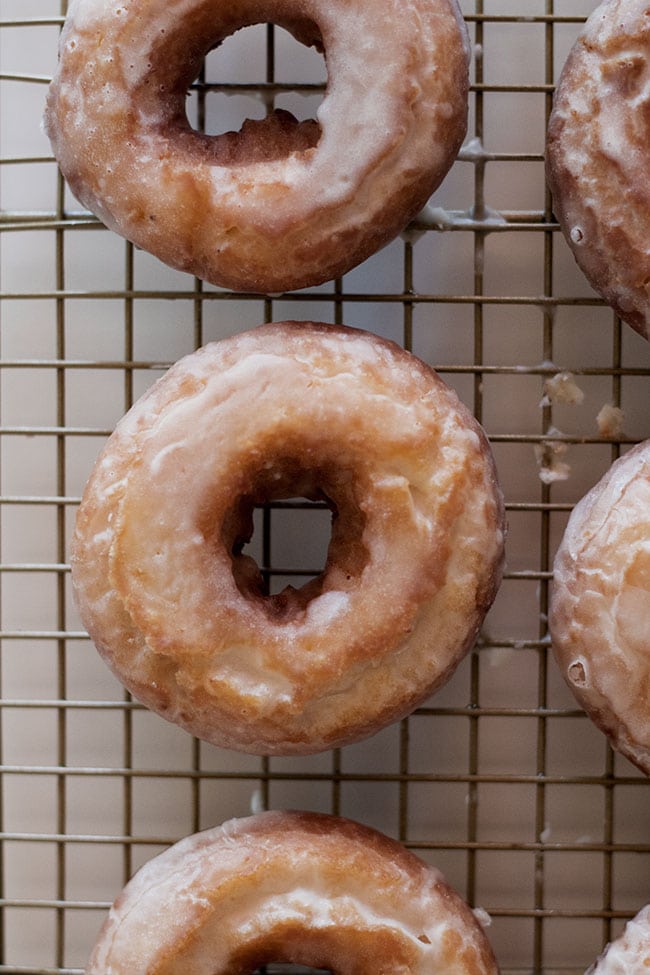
pixel 260 125
pixel 346 553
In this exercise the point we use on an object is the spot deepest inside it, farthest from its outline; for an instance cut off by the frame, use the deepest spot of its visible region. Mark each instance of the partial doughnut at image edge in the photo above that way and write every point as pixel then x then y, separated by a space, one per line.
pixel 295 888
pixel 600 605
pixel 597 156
pixel 177 607
pixel 629 954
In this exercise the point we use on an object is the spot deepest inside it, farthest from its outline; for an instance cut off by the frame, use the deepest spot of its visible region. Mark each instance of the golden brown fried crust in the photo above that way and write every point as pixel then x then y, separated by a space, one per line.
pixel 281 204
pixel 291 409
pixel 601 601
pixel 290 887
pixel 597 160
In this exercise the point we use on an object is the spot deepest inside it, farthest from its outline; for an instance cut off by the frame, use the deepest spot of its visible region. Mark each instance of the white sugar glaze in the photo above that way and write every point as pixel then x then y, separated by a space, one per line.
pixel 280 205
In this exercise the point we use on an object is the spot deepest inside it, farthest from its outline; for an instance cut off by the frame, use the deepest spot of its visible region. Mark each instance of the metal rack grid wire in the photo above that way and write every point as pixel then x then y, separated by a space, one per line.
pixel 500 779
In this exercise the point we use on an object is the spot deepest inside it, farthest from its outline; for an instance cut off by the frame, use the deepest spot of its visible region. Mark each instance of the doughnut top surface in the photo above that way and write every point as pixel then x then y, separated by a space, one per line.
pixel 601 604
pixel 597 156
pixel 281 204
pixel 301 888
pixel 177 608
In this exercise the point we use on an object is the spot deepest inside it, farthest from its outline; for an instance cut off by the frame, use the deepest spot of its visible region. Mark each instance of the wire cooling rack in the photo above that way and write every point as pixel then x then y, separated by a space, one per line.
pixel 500 779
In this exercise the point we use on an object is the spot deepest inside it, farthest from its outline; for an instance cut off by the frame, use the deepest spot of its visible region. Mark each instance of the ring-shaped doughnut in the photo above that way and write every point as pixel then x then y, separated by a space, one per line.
pixel 629 954
pixel 597 156
pixel 301 888
pixel 600 604
pixel 281 204
pixel 415 558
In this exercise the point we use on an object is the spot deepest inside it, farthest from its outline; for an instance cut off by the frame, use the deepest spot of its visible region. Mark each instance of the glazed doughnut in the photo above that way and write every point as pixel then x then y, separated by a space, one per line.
pixel 281 204
pixel 629 954
pixel 601 604
pixel 289 410
pixel 301 888
pixel 597 160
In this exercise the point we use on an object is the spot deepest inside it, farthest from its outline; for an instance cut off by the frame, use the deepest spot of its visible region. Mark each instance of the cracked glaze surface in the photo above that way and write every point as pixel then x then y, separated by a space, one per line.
pixel 301 888
pixel 630 953
pixel 415 557
pixel 601 604
pixel 597 156
pixel 281 205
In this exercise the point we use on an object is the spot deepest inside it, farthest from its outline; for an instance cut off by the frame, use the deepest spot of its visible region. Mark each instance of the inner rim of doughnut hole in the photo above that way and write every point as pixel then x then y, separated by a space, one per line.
pixel 257 94
pixel 341 949
pixel 290 968
pixel 346 555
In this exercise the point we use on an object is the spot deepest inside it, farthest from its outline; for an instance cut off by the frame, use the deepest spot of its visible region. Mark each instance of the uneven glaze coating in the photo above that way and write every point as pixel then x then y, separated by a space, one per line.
pixel 290 887
pixel 281 205
pixel 629 954
pixel 290 410
pixel 600 605
pixel 597 156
